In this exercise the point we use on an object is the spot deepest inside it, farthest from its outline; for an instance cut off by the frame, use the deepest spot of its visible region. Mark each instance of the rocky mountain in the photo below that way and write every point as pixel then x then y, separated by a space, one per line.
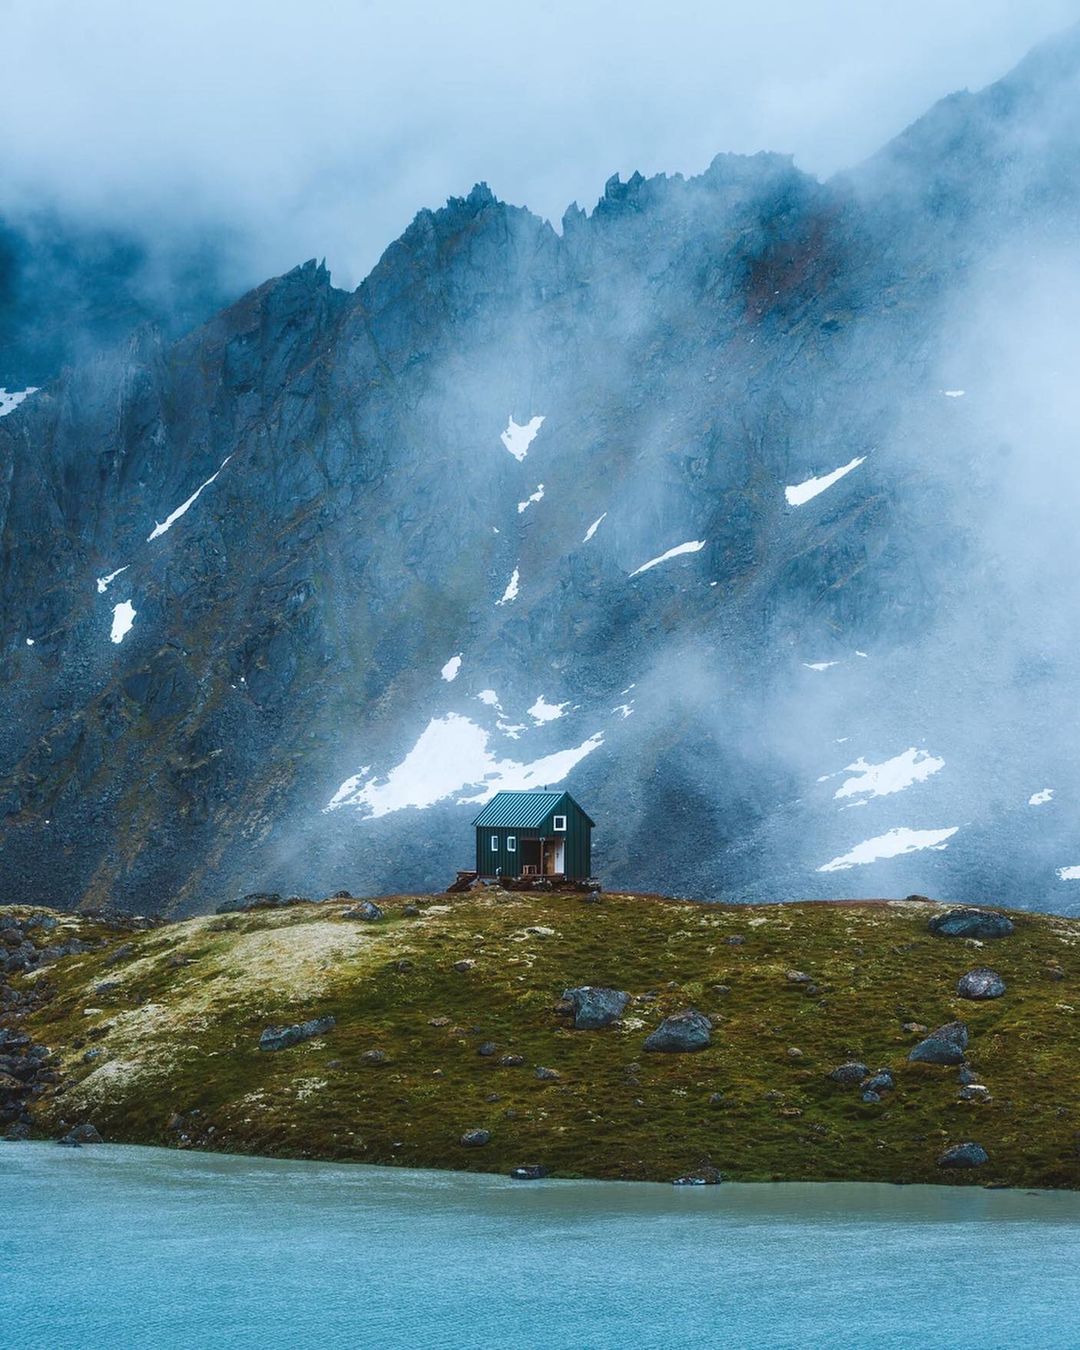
pixel 742 506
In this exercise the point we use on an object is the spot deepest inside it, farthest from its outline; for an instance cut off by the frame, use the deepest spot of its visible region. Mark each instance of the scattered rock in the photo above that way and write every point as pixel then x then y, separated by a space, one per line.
pixel 966 1075
pixel 486 1049
pixel 870 1096
pixel 914 1028
pixel 81 1134
pixel 410 911
pixel 530 1172
pixel 794 1052
pixel 438 1021
pixel 982 982
pixel 799 977
pixel 367 910
pixel 946 1045
pixel 975 1092
pixel 373 1058
pixel 850 1074
pixel 700 1176
pixel 882 1081
pixel 967 922
pixel 547 1075
pixel 717 1099
pixel 280 1038
pixel 97 1052
pixel 475 1138
pixel 341 895
pixel 594 1007
pixel 510 1061
pixel 735 940
pixel 121 953
pixel 964 1155
pixel 463 966
pixel 682 1032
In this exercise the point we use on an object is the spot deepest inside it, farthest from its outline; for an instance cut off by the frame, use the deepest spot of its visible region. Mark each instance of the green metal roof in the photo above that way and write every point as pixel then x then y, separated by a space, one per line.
pixel 521 810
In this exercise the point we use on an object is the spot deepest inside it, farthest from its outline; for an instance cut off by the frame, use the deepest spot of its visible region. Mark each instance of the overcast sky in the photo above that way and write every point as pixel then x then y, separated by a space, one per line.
pixel 320 127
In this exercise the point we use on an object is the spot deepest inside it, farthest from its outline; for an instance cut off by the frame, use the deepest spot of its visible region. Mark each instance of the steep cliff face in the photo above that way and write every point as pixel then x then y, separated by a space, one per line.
pixel 535 506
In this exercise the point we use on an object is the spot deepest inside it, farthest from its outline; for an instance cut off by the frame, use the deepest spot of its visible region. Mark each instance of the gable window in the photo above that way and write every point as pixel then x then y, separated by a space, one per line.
pixel 511 844
pixel 494 843
pixel 559 823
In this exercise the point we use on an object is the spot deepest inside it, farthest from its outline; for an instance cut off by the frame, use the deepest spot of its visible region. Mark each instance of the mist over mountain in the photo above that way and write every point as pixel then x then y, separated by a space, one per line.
pixel 742 505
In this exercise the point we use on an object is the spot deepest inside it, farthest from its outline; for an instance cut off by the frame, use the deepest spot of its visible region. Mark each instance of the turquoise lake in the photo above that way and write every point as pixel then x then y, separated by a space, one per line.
pixel 128 1247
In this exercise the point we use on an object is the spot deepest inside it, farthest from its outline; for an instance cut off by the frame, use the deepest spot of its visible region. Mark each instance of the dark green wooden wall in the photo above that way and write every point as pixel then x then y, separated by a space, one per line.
pixel 501 862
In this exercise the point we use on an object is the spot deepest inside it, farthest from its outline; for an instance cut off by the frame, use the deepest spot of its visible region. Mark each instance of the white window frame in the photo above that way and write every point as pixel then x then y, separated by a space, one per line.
pixel 511 843
pixel 559 829
pixel 494 843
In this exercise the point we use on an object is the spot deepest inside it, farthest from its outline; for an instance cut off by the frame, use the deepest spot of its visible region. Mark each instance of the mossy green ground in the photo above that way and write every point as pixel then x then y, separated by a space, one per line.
pixel 180 1033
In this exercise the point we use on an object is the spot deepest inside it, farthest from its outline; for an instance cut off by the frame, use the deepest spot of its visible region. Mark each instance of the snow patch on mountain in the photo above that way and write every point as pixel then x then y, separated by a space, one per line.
pixel 1041 798
pixel 890 845
pixel 892 775
pixel 1069 873
pixel 171 519
pixel 536 496
pixel 820 665
pixel 543 711
pixel 449 672
pixel 594 527
pixel 489 696
pixel 694 546
pixel 452 756
pixel 511 592
pixel 517 439
pixel 10 401
pixel 103 583
pixel 123 616
pixel 800 493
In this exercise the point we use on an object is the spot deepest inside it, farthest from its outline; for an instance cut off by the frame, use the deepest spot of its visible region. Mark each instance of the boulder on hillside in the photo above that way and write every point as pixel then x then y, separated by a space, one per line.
pixel 701 1176
pixel 850 1074
pixel 967 922
pixel 946 1045
pixel 681 1032
pixel 367 910
pixel 964 1155
pixel 530 1172
pixel 594 1006
pixel 280 1038
pixel 982 982
pixel 84 1134
pixel 475 1138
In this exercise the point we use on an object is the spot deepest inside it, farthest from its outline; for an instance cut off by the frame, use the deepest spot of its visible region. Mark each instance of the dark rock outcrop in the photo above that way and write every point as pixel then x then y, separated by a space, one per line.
pixel 367 910
pixel 967 922
pixel 701 1176
pixel 594 1006
pixel 282 1037
pixel 850 1074
pixel 980 983
pixel 681 1033
pixel 946 1045
pixel 475 1138
pixel 964 1155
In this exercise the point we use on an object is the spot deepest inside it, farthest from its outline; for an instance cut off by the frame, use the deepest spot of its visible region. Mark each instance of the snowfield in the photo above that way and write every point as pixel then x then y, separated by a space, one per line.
pixel 694 546
pixel 452 757
pixel 170 520
pixel 801 493
pixel 123 616
pixel 890 845
pixel 517 439
pixel 10 401
pixel 511 592
pixel 892 775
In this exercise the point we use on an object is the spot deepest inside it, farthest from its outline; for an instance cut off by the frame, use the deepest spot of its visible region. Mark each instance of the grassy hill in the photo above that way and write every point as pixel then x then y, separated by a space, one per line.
pixel 155 1037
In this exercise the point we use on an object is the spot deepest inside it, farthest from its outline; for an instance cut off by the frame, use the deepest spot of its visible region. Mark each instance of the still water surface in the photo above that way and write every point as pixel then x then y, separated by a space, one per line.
pixel 123 1247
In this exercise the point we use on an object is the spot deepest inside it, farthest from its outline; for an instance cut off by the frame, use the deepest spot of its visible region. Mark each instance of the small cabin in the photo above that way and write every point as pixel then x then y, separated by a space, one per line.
pixel 534 834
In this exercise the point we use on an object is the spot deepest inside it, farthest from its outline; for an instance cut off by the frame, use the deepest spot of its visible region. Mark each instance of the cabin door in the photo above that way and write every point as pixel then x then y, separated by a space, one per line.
pixel 554 857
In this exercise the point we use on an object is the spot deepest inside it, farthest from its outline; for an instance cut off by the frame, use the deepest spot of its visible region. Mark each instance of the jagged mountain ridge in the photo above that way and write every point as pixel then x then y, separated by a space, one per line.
pixel 693 346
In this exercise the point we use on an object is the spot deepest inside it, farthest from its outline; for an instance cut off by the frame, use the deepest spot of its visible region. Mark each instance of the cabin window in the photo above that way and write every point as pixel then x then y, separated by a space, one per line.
pixel 494 843
pixel 511 844
pixel 559 823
